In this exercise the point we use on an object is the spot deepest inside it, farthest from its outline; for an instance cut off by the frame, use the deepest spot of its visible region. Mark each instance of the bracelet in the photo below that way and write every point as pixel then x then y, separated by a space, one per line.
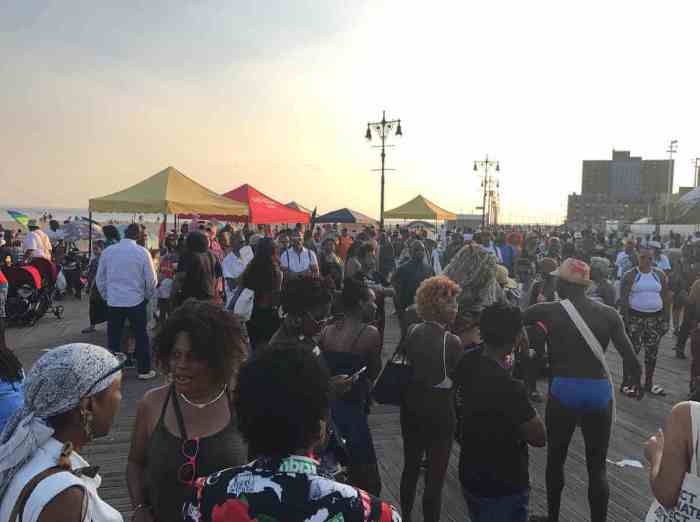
pixel 139 508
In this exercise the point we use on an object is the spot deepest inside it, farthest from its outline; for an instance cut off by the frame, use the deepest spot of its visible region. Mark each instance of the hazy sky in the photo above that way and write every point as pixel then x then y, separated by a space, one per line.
pixel 278 93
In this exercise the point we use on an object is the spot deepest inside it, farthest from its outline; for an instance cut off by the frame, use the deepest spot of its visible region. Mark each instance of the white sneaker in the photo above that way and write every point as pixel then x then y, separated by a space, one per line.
pixel 148 375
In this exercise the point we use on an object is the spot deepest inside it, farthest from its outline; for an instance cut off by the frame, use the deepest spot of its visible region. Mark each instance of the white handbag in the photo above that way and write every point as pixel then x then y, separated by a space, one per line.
pixel 242 303
pixel 688 505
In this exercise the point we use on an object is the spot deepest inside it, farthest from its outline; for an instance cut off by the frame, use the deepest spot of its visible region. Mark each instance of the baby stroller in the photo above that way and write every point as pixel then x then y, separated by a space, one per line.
pixel 26 297
pixel 48 291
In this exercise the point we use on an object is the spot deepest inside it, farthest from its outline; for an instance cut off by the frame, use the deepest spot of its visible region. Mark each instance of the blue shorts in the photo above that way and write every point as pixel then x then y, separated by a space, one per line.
pixel 582 395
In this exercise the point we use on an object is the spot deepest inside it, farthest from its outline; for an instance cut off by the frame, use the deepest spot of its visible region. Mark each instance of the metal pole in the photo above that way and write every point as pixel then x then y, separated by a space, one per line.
pixel 90 234
pixel 484 182
pixel 383 155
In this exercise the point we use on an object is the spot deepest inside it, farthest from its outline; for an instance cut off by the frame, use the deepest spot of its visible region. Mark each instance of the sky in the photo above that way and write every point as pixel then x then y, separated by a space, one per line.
pixel 99 95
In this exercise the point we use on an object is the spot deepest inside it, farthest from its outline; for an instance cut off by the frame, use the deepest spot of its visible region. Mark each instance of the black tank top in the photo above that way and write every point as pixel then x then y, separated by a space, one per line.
pixel 167 494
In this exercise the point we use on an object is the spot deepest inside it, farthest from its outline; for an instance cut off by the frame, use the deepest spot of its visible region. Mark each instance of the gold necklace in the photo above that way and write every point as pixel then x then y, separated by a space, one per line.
pixel 204 404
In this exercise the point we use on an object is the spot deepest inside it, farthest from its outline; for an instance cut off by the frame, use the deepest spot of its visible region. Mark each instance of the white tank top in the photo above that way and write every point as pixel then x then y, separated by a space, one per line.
pixel 44 458
pixel 646 293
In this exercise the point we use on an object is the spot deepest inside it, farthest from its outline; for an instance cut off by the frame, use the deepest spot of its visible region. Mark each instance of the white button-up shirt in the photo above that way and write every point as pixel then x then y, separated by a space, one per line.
pixel 126 276
pixel 39 242
pixel 234 266
pixel 297 262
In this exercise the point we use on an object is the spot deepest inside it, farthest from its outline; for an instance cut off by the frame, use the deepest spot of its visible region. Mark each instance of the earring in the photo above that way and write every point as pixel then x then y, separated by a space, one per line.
pixel 86 420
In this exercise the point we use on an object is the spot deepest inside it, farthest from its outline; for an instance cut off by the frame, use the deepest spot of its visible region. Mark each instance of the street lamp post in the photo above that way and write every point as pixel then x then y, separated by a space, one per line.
pixel 485 164
pixel 672 149
pixel 381 129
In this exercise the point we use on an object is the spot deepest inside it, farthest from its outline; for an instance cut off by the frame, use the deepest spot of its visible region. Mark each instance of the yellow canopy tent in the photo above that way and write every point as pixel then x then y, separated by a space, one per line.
pixel 420 208
pixel 168 192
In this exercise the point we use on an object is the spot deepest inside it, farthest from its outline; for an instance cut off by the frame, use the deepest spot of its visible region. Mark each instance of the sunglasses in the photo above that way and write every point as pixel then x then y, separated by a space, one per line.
pixel 188 471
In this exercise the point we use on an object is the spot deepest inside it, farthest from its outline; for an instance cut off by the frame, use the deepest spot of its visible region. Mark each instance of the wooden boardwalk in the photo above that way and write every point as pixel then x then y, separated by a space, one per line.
pixel 630 494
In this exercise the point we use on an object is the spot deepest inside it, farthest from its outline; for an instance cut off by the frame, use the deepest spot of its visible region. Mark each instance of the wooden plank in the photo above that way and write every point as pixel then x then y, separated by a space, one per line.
pixel 630 495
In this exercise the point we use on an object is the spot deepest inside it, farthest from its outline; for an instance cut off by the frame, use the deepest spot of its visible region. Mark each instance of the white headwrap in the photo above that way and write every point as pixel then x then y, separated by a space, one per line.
pixel 55 384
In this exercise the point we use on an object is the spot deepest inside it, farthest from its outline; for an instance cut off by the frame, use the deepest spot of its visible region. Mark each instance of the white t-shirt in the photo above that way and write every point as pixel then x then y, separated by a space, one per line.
pixel 45 457
pixel 297 262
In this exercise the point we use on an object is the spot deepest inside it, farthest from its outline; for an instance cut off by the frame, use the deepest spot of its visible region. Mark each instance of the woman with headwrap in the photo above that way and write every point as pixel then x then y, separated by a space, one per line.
pixel 601 290
pixel 72 394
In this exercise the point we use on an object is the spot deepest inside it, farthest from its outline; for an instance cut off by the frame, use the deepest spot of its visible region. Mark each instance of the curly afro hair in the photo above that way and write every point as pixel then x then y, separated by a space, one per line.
pixel 304 294
pixel 500 325
pixel 280 398
pixel 215 336
pixel 433 296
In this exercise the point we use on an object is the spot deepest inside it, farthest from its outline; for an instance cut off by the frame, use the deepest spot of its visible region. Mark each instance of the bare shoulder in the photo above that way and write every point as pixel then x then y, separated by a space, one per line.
pixel 680 413
pixel 68 505
pixel 154 399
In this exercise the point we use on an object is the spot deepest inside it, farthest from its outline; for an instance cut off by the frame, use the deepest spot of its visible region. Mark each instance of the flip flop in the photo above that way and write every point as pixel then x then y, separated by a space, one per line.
pixel 657 390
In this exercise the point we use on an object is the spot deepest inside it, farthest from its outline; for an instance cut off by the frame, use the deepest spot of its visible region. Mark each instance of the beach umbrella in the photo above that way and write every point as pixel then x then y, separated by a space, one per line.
pixel 78 230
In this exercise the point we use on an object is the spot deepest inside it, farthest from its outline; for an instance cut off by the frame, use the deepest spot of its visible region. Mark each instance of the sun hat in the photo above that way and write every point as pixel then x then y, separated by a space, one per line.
pixel 503 279
pixel 574 271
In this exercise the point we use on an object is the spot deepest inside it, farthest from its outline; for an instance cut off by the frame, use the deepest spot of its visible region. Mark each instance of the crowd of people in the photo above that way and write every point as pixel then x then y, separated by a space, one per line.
pixel 264 414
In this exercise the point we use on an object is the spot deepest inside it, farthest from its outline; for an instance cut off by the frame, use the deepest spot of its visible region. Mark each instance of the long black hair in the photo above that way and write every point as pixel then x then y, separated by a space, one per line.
pixel 261 273
pixel 10 367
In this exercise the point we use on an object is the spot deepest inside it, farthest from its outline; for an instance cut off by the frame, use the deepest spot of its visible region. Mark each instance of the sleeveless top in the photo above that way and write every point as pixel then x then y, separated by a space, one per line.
pixel 645 295
pixel 223 449
pixel 347 363
pixel 45 457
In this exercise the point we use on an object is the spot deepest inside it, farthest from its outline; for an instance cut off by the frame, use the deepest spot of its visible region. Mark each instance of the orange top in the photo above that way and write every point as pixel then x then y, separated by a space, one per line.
pixel 344 244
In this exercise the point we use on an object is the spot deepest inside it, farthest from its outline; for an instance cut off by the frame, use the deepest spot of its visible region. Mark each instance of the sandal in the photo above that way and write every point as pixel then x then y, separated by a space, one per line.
pixel 629 391
pixel 656 390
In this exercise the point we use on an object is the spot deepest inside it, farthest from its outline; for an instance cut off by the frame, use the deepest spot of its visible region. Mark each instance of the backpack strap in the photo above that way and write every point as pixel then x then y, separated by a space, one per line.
pixel 28 489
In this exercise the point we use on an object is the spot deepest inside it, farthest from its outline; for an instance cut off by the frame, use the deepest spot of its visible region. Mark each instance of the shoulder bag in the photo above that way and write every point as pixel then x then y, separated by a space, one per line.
pixel 395 377
pixel 593 344
pixel 241 303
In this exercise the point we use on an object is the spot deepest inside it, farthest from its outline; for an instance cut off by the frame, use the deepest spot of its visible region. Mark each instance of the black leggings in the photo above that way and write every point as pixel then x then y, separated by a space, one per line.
pixel 427 427
pixel 595 426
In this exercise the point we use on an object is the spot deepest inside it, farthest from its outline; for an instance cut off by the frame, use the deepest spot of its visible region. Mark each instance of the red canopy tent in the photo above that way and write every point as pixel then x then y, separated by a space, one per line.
pixel 263 209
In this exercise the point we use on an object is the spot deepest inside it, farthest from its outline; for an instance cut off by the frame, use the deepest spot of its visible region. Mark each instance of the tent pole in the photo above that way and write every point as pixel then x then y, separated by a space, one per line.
pixel 90 234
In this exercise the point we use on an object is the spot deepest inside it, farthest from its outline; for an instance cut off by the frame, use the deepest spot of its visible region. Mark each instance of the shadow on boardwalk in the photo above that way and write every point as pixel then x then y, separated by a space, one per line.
pixel 630 496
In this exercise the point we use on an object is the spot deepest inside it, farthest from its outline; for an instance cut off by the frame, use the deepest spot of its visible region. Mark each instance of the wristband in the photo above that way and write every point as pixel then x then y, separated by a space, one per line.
pixel 139 508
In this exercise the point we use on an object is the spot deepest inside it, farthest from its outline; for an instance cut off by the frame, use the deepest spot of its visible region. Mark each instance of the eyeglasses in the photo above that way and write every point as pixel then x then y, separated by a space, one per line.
pixel 188 471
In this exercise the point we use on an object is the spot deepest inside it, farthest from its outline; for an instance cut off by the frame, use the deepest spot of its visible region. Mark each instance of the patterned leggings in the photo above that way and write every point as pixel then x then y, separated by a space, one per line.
pixel 646 331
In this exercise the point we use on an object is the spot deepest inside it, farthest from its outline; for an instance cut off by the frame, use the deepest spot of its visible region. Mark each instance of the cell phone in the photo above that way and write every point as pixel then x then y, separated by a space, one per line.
pixel 357 374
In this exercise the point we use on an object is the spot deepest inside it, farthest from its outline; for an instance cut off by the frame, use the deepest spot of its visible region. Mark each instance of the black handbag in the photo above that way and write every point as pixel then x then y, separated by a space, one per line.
pixel 396 375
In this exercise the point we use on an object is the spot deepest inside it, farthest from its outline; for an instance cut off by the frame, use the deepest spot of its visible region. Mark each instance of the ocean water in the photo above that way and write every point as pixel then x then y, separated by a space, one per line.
pixel 62 214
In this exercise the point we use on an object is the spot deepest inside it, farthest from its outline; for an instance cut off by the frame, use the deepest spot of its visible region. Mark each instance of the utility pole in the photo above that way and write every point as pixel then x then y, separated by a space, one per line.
pixel 381 129
pixel 486 182
pixel 672 149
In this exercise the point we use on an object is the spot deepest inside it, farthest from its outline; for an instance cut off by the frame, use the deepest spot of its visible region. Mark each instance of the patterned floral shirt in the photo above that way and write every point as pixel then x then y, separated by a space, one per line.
pixel 290 489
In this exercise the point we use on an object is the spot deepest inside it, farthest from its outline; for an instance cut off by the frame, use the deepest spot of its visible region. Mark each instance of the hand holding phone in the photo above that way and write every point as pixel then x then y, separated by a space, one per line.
pixel 355 376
